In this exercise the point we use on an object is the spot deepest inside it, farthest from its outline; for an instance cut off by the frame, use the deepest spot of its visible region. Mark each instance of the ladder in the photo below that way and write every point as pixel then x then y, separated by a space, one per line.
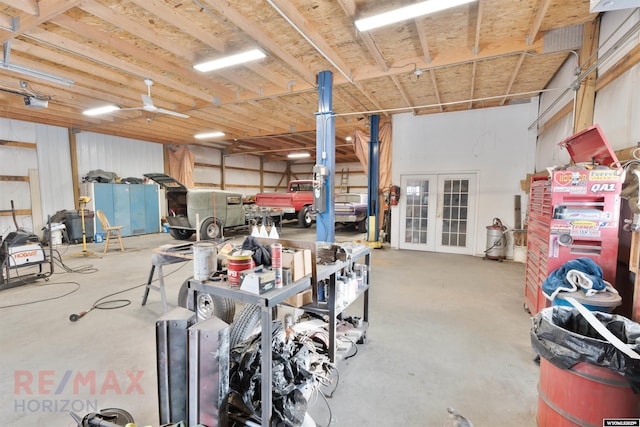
pixel 344 181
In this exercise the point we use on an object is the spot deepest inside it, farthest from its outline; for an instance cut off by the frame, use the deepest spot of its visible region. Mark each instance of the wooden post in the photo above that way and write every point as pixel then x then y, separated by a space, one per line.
pixel 73 153
pixel 586 94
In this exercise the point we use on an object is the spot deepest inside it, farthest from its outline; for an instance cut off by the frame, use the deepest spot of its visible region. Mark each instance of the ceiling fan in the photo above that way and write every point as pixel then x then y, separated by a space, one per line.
pixel 148 105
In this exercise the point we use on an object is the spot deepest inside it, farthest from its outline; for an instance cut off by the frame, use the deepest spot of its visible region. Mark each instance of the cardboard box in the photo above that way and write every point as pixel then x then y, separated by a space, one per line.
pixel 307 261
pixel 298 300
pixel 294 261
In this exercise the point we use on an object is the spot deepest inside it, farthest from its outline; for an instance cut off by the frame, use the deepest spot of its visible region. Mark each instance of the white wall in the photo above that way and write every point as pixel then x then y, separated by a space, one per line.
pixel 53 166
pixel 494 142
pixel 124 156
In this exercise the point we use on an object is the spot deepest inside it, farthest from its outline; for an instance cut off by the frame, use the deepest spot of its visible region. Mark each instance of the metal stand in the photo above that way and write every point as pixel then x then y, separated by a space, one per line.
pixel 158 260
pixel 85 253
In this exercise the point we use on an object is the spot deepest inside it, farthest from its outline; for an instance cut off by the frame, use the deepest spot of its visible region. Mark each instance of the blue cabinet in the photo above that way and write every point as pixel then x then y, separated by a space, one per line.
pixel 134 206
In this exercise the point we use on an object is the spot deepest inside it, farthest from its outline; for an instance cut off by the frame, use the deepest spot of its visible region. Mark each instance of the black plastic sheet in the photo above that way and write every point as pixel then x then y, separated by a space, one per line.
pixel 564 338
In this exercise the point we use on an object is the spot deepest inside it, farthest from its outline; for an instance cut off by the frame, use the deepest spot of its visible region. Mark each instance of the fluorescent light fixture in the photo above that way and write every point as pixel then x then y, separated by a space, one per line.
pixel 208 135
pixel 105 109
pixel 298 155
pixel 216 64
pixel 32 72
pixel 407 12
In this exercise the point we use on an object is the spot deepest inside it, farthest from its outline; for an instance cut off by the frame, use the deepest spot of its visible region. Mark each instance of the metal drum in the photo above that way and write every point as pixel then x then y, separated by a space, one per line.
pixel 496 241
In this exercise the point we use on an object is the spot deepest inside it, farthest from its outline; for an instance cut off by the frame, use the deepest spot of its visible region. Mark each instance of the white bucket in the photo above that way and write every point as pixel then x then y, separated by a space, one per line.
pixel 520 254
pixel 205 260
pixel 56 237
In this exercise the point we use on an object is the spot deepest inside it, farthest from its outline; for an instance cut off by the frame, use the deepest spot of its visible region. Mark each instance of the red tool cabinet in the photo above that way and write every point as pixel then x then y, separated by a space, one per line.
pixel 574 213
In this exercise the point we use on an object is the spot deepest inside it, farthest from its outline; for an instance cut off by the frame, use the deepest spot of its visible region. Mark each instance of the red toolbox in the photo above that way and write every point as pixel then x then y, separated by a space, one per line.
pixel 574 213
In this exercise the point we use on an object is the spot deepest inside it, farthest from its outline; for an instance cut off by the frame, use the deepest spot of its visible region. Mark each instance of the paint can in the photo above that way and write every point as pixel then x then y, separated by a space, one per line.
pixel 276 263
pixel 204 260
pixel 238 261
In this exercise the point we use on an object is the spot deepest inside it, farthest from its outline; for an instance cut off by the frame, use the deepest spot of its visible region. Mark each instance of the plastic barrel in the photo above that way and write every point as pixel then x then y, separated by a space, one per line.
pixel 583 396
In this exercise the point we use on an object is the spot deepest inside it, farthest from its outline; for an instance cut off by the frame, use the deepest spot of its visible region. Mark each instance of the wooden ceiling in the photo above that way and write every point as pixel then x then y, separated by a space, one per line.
pixel 485 54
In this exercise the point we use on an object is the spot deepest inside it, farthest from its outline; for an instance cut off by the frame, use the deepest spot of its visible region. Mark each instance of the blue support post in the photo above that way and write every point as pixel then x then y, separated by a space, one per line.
pixel 373 173
pixel 326 155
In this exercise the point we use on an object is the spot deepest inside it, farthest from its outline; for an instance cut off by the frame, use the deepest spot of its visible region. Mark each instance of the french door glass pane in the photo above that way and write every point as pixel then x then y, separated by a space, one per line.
pixel 417 211
pixel 454 212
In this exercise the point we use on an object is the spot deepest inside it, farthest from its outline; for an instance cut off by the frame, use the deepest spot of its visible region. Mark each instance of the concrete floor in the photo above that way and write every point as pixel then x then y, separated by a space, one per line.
pixel 445 331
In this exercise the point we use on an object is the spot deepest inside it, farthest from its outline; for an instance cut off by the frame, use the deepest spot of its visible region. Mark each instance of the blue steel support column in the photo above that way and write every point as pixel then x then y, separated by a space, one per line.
pixel 326 155
pixel 373 173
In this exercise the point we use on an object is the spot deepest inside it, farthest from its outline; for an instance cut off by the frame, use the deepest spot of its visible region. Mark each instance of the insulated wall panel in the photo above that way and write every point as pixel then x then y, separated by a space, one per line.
pixel 123 156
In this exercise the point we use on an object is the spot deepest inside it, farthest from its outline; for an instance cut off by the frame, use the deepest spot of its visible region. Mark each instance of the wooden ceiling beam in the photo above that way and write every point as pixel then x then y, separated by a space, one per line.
pixel 118 64
pixel 473 83
pixel 403 93
pixel 131 50
pixel 180 22
pixel 148 34
pixel 27 6
pixel 434 82
pixel 47 9
pixel 283 117
pixel 228 121
pixel 309 32
pixel 350 9
pixel 294 108
pixel 532 35
pixel 476 45
pixel 512 79
pixel 263 39
pixel 264 122
pixel 452 57
pixel 275 78
pixel 137 29
pixel 475 50
pixel 424 42
pixel 6 23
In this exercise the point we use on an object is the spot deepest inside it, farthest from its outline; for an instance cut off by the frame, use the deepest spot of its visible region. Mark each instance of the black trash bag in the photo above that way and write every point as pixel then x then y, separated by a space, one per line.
pixel 261 254
pixel 564 338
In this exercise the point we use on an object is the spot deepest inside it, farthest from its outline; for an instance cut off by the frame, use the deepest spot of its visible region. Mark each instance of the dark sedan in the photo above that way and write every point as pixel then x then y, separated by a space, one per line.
pixel 352 208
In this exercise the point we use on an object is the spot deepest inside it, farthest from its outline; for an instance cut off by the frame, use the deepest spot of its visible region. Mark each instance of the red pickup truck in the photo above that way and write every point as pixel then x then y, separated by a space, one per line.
pixel 297 202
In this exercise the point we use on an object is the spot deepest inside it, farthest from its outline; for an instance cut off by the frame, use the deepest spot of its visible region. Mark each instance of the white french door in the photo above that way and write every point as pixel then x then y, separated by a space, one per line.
pixel 437 212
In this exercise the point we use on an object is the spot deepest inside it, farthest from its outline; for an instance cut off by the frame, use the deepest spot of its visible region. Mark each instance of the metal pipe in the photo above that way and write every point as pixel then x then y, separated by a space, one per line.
pixel 442 104
pixel 576 83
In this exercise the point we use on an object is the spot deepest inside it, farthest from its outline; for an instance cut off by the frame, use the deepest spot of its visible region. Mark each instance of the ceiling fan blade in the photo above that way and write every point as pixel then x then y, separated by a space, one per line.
pixel 172 113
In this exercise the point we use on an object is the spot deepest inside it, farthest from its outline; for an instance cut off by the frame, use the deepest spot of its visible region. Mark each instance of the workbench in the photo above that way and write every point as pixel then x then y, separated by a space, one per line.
pixel 266 301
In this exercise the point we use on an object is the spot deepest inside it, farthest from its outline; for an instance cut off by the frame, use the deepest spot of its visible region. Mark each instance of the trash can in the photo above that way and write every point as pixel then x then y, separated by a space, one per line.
pixel 584 378
pixel 73 221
